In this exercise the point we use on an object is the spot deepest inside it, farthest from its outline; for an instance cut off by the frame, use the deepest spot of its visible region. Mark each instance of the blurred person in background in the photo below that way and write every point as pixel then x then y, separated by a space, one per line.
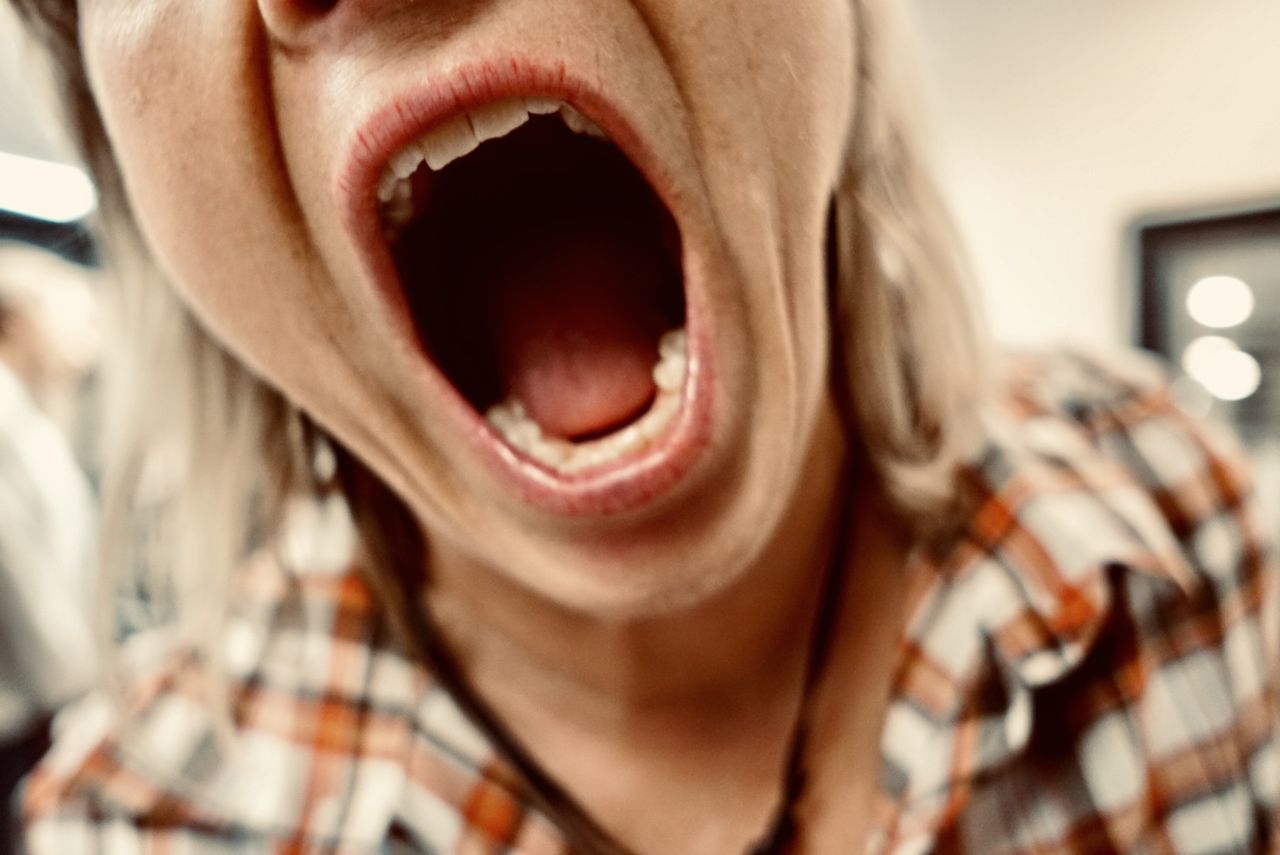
pixel 688 513
pixel 47 543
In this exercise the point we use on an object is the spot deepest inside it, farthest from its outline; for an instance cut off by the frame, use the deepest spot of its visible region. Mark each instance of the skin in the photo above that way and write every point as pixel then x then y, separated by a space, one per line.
pixel 665 642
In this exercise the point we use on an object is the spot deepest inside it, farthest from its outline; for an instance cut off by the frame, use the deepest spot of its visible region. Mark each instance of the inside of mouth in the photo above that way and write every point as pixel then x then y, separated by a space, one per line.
pixel 543 268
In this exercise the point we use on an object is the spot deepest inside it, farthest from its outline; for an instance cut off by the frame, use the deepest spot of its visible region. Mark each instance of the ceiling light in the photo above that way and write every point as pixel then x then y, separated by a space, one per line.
pixel 1220 301
pixel 53 192
pixel 1222 367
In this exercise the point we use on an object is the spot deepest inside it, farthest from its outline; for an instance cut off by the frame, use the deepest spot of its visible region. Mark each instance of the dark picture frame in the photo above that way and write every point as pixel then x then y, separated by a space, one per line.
pixel 1174 251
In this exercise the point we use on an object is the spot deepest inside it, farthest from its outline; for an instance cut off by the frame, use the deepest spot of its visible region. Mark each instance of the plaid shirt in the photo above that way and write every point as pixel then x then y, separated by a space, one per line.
pixel 1090 667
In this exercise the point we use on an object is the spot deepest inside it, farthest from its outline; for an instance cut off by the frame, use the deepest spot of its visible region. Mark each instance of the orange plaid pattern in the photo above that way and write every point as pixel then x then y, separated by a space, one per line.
pixel 1090 667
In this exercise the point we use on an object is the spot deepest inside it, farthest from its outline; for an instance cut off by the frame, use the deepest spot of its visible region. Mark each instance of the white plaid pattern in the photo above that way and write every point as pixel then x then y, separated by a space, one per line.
pixel 1092 669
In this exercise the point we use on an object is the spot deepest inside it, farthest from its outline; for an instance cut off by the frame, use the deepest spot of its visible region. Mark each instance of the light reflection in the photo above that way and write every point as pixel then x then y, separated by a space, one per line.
pixel 1220 302
pixel 53 192
pixel 1222 367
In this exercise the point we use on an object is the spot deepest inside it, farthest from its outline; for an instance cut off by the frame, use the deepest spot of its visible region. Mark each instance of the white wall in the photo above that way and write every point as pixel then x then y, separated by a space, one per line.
pixel 1058 121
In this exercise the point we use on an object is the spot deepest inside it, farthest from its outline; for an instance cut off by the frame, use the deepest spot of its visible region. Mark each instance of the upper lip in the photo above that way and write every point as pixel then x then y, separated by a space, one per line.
pixel 405 117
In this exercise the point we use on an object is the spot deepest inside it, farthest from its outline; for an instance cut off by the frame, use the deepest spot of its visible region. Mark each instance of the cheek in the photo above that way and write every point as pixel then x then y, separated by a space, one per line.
pixel 179 85
pixel 770 83
pixel 133 53
pixel 182 88
pixel 804 65
pixel 808 49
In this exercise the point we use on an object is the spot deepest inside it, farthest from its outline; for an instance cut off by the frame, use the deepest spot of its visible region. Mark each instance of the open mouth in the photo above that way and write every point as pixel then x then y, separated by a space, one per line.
pixel 544 279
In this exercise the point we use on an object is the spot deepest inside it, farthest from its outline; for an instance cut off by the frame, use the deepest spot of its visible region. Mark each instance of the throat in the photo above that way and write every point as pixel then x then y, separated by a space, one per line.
pixel 573 320
pixel 657 719
pixel 543 269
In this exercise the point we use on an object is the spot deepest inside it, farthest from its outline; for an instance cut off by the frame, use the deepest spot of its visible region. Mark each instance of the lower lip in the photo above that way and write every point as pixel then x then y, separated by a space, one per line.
pixel 627 484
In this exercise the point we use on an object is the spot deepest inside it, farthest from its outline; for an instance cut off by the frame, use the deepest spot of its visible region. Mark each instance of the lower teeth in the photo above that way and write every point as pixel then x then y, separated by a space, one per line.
pixel 523 433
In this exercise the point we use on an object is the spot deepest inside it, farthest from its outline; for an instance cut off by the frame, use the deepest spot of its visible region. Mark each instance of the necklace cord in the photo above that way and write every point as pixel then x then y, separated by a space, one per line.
pixel 581 831
pixel 394 541
pixel 785 825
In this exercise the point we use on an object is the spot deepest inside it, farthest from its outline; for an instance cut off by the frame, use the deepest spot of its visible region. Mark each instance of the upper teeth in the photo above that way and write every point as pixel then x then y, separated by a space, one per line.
pixel 457 138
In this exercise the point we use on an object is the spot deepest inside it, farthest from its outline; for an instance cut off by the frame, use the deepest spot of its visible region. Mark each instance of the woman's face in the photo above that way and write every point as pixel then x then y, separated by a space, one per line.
pixel 274 156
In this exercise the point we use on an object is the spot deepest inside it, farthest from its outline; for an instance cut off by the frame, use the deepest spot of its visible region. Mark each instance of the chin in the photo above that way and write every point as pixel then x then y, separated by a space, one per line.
pixel 681 554
pixel 623 589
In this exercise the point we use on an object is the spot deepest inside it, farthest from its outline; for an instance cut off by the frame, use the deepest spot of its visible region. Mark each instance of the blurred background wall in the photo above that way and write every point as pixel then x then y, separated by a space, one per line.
pixel 1058 122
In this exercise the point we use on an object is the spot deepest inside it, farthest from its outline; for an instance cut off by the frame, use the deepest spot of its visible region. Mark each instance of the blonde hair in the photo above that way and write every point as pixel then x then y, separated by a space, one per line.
pixel 907 366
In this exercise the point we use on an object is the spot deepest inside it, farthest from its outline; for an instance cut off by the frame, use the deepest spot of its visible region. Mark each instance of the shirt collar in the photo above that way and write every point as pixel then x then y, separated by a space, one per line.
pixel 1014 601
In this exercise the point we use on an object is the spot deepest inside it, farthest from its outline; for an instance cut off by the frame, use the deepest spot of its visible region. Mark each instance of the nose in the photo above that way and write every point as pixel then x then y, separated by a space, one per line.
pixel 291 22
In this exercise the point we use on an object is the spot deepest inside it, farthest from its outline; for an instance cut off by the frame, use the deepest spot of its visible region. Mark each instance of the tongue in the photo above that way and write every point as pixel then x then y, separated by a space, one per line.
pixel 576 319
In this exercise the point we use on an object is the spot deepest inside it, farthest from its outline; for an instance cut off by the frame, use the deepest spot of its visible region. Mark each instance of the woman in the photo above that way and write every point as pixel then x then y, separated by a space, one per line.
pixel 630 333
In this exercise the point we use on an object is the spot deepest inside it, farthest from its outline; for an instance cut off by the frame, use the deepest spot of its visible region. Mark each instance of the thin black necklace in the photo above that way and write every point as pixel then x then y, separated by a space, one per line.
pixel 785 823
pixel 582 833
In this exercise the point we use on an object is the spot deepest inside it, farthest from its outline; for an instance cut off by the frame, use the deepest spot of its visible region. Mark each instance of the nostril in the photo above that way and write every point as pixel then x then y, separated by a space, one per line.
pixel 290 21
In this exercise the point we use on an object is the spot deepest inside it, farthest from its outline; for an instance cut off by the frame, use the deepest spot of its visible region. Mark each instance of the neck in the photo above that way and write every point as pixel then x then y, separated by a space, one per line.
pixel 739 654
